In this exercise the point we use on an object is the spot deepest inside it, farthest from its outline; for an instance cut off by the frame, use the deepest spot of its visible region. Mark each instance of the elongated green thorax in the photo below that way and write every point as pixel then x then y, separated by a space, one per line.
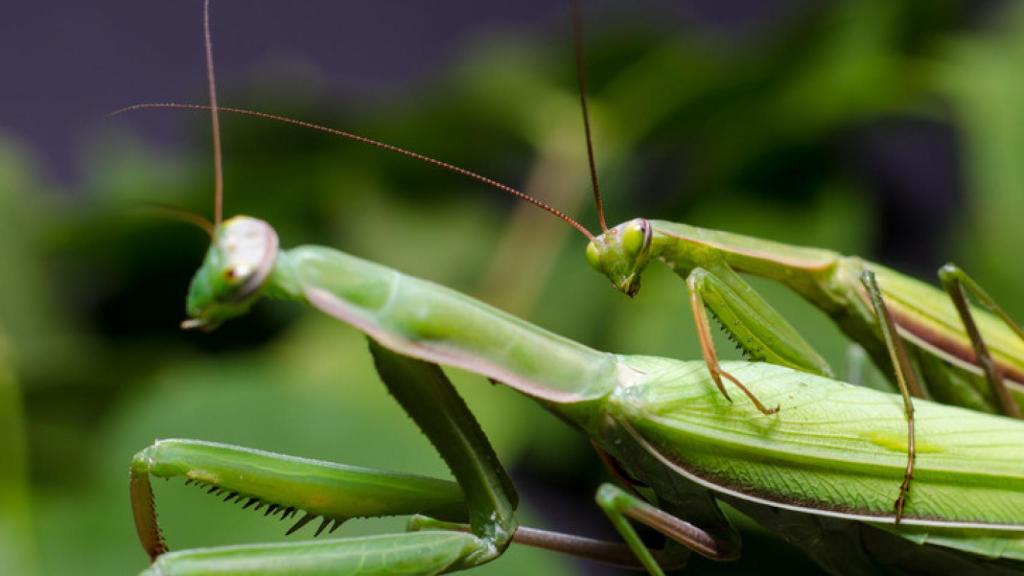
pixel 405 314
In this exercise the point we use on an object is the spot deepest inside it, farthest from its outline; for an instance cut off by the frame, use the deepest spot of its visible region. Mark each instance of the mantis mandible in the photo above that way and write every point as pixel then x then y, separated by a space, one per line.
pixel 829 457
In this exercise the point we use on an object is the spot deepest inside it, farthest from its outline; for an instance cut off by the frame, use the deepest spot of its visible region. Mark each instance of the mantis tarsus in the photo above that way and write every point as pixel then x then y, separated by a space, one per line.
pixel 834 453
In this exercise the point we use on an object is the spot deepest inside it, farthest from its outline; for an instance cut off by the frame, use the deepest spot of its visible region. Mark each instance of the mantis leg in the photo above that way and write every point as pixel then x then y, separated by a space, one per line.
pixel 957 283
pixel 613 553
pixel 425 553
pixel 751 322
pixel 418 552
pixel 432 402
pixel 323 494
pixel 906 378
pixel 276 484
pixel 287 486
pixel 484 494
pixel 621 506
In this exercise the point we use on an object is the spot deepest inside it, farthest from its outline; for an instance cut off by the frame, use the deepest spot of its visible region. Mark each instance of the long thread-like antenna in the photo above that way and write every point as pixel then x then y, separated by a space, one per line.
pixel 577 34
pixel 389 147
pixel 175 213
pixel 218 170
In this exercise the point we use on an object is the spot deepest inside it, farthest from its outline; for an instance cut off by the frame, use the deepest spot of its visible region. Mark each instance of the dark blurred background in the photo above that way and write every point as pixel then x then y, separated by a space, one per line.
pixel 892 130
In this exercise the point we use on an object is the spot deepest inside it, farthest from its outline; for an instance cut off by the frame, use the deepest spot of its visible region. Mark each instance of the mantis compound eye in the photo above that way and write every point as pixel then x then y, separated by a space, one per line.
pixel 594 256
pixel 633 239
pixel 249 248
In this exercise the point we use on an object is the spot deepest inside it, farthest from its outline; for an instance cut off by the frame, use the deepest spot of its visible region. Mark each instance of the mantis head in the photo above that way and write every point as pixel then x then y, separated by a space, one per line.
pixel 622 253
pixel 233 273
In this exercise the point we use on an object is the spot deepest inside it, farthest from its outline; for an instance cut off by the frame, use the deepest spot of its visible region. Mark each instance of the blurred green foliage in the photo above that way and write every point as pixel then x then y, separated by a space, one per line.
pixel 744 137
pixel 17 550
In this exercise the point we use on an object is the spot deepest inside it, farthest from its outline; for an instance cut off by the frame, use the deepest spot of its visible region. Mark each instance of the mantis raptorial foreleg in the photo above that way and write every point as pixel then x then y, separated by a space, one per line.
pixel 957 283
pixel 758 329
pixel 429 398
pixel 484 495
pixel 285 487
pixel 419 553
pixel 275 483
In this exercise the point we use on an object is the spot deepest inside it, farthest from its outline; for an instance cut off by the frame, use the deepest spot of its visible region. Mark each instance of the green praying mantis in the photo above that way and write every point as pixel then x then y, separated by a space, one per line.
pixel 832 455
pixel 829 459
pixel 966 355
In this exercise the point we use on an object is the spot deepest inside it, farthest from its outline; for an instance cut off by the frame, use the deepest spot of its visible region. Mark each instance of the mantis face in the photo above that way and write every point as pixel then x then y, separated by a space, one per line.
pixel 622 253
pixel 236 267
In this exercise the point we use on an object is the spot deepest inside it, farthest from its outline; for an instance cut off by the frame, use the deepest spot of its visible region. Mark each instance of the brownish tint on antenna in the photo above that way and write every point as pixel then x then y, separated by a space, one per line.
pixel 363 139
pixel 577 34
pixel 178 214
pixel 218 170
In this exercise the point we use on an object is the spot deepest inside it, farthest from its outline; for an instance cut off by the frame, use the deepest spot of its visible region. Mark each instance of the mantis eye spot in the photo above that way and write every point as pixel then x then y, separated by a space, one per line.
pixel 237 272
pixel 633 239
pixel 593 255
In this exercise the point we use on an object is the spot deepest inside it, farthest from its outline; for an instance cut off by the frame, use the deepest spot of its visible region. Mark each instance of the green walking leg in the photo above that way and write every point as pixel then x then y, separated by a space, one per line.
pixel 621 506
pixel 906 378
pixel 957 283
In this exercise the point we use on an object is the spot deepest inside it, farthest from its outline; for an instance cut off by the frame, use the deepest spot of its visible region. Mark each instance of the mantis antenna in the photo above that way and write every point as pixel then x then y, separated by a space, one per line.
pixel 218 169
pixel 175 213
pixel 217 162
pixel 363 139
pixel 577 34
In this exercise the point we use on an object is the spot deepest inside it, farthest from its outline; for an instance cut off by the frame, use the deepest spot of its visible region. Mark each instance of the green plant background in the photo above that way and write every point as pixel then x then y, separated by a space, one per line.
pixel 749 138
